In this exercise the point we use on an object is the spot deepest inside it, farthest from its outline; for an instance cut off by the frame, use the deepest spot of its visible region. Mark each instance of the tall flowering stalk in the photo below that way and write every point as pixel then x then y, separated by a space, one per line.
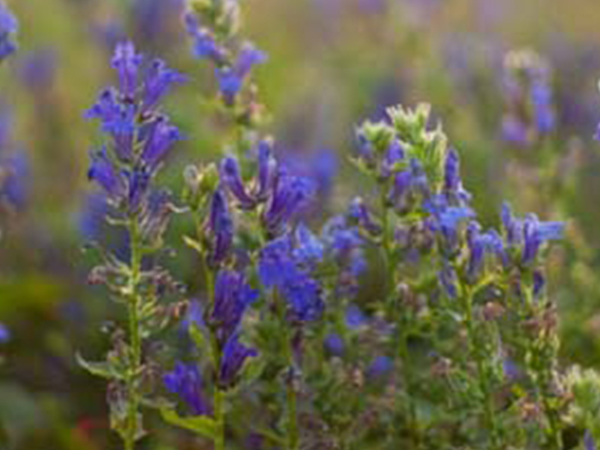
pixel 214 26
pixel 139 138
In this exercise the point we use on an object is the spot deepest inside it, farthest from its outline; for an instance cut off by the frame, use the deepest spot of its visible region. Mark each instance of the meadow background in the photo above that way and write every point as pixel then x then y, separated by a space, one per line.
pixel 332 63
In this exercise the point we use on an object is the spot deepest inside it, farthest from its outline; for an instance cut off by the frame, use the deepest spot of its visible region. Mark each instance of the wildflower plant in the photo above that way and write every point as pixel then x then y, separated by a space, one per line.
pixel 456 346
pixel 139 137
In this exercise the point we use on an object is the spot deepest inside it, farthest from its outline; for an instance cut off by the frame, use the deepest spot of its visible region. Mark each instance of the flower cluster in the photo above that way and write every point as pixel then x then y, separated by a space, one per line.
pixel 211 25
pixel 427 227
pixel 140 139
pixel 529 99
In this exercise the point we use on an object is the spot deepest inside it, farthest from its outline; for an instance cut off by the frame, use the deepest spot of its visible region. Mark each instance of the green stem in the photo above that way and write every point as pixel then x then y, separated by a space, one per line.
pixel 218 395
pixel 489 414
pixel 135 341
pixel 293 433
pixel 412 422
pixel 403 350
pixel 219 419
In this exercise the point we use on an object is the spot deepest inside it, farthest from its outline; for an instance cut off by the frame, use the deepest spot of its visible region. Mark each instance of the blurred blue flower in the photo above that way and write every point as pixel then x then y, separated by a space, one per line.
pixel 231 299
pixel 186 382
pixel 8 27
pixel 233 359
pixel 220 226
pixel 380 367
pixel 334 344
pixel 4 334
pixel 588 441
pixel 37 69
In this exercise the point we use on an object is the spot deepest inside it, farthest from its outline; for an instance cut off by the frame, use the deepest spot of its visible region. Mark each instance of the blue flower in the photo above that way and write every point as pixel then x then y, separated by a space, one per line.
pixel 359 212
pixel 232 180
pixel 8 26
pixel 275 265
pixel 186 382
pixel 334 344
pixel 535 233
pixel 588 441
pixel 103 172
pixel 279 268
pixel 541 98
pixel 159 79
pixel 394 154
pixel 13 176
pixel 233 359
pixel 160 138
pixel 232 297
pixel 267 169
pixel 309 249
pixel 355 318
pixel 38 69
pixel 127 63
pixel 290 194
pixel 453 186
pixel 482 246
pixel 304 297
pixel 231 79
pixel 380 367
pixel 449 281
pixel 220 225
pixel 205 45
pixel 4 334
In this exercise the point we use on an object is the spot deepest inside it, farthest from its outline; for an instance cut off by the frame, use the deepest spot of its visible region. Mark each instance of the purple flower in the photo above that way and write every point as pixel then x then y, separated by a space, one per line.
pixel 8 27
pixel 355 318
pixel 279 268
pixel 160 138
pixel 234 357
pixel 309 249
pixel 267 169
pixel 394 154
pixel 232 296
pixel 127 63
pixel 449 281
pixel 205 45
pixel 275 264
pixel 541 98
pixel 103 172
pixel 304 297
pixel 359 212
pixel 38 69
pixel 159 79
pixel 482 246
pixel 588 441
pixel 290 194
pixel 220 226
pixel 535 233
pixel 334 344
pixel 380 367
pixel 232 180
pixel 13 176
pixel 4 334
pixel 186 382
pixel 231 79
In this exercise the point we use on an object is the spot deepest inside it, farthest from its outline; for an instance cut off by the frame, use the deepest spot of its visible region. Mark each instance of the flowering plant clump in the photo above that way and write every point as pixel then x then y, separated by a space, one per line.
pixel 378 297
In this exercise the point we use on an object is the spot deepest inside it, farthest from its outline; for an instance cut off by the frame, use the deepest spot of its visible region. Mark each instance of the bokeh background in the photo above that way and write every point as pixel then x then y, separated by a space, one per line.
pixel 332 64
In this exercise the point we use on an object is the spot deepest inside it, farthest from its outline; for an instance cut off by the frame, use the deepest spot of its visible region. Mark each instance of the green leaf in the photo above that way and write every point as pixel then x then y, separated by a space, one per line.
pixel 201 425
pixel 192 243
pixel 100 369
pixel 198 337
